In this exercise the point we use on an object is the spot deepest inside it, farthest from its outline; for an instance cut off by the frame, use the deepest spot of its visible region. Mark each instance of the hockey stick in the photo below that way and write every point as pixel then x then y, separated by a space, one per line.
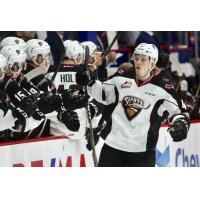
pixel 35 72
pixel 197 92
pixel 197 69
pixel 61 51
pixel 104 54
pixel 91 133
pixel 198 74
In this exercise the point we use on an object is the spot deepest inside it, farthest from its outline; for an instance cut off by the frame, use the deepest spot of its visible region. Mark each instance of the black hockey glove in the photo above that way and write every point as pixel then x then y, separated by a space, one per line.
pixel 28 106
pixel 179 129
pixel 70 119
pixel 18 113
pixel 83 79
pixel 72 101
pixel 163 61
pixel 93 110
pixel 4 102
pixel 38 115
pixel 96 108
pixel 49 103
pixel 97 134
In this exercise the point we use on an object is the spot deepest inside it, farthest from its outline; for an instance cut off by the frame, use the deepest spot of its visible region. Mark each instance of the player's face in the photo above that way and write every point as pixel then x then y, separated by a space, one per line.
pixel 95 61
pixel 15 69
pixel 142 66
pixel 99 58
pixel 42 61
pixel 78 60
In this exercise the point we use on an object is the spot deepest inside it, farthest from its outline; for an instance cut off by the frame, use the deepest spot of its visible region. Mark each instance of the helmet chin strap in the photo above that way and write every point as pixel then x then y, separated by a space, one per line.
pixel 78 62
pixel 154 65
pixel 44 64
pixel 14 74
pixel 2 77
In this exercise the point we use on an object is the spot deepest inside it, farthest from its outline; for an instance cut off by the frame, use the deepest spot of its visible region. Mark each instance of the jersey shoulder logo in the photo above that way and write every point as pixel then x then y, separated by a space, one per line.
pixel 17 41
pixel 126 84
pixel 169 86
pixel 40 43
pixel 18 51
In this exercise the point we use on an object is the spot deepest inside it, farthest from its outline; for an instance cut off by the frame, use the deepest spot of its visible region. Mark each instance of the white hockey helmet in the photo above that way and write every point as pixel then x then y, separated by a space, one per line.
pixel 3 65
pixel 147 50
pixel 75 52
pixel 92 47
pixel 13 41
pixel 66 43
pixel 38 51
pixel 15 59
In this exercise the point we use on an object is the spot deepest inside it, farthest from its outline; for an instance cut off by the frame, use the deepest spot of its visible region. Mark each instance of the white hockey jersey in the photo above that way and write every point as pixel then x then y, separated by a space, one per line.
pixel 139 110
pixel 7 120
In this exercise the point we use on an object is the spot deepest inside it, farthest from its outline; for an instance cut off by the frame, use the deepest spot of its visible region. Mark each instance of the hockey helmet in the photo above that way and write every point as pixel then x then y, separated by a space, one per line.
pixel 149 50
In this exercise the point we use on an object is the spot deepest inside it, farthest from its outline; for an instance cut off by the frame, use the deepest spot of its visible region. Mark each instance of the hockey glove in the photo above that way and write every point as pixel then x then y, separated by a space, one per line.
pixel 28 106
pixel 49 103
pixel 96 108
pixel 178 130
pixel 93 110
pixel 38 115
pixel 70 119
pixel 73 102
pixel 163 61
pixel 4 102
pixel 83 79
pixel 97 134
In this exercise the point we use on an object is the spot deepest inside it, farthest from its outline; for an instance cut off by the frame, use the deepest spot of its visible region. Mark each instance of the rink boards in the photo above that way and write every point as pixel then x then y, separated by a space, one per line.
pixel 62 152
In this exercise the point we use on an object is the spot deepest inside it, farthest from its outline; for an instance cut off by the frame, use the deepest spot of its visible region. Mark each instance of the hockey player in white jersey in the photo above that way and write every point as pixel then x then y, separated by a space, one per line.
pixel 142 100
